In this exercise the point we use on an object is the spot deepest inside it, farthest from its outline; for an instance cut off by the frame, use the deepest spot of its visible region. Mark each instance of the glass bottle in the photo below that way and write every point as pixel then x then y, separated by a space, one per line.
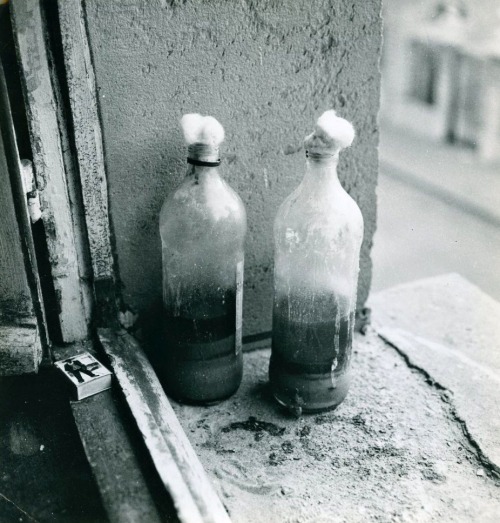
pixel 202 227
pixel 318 233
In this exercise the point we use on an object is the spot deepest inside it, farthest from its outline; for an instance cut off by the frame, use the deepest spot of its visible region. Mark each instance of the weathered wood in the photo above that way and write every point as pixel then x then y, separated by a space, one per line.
pixel 88 136
pixel 113 461
pixel 174 458
pixel 20 348
pixel 20 294
pixel 74 190
pixel 15 296
pixel 49 166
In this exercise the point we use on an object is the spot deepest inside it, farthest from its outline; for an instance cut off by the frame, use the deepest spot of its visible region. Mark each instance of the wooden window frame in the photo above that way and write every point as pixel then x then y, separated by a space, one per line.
pixel 23 335
pixel 73 189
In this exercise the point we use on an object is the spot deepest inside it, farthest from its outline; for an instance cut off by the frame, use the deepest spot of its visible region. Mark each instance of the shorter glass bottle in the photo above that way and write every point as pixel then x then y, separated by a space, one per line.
pixel 202 227
pixel 318 233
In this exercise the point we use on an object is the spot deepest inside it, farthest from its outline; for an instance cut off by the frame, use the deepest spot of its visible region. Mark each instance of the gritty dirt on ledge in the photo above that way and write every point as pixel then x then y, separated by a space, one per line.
pixel 391 452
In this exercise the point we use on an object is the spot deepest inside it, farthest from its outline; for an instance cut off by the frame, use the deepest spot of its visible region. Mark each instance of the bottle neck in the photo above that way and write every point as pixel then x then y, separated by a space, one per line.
pixel 321 171
pixel 200 153
pixel 203 160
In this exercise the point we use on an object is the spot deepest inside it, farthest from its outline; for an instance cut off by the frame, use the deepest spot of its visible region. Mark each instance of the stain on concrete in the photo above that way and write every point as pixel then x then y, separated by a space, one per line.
pixel 266 70
pixel 256 426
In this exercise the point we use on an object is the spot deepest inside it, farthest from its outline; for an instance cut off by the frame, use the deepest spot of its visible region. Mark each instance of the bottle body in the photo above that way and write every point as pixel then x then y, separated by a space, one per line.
pixel 318 233
pixel 202 227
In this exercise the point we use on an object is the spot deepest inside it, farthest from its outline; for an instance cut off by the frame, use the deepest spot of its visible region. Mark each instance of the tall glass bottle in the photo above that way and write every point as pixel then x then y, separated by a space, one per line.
pixel 202 227
pixel 318 233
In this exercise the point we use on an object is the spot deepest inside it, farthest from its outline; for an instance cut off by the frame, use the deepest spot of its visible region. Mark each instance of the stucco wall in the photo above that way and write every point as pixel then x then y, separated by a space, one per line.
pixel 266 70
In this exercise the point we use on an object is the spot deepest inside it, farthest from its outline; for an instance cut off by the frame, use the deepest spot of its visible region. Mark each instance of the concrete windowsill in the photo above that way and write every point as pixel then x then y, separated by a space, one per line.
pixel 397 449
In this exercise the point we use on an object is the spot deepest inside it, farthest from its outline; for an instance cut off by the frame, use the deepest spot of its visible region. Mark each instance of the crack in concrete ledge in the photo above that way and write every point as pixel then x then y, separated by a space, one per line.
pixel 492 469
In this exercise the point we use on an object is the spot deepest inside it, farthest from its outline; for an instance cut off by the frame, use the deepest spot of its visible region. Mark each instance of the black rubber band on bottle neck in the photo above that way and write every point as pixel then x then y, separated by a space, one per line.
pixel 201 163
pixel 321 156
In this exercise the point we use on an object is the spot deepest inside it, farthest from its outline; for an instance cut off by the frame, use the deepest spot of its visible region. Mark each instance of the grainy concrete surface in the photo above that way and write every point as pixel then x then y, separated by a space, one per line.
pixel 451 330
pixel 393 451
pixel 266 70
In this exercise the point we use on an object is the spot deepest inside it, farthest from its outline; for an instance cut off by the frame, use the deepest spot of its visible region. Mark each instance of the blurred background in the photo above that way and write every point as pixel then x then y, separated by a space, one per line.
pixel 439 180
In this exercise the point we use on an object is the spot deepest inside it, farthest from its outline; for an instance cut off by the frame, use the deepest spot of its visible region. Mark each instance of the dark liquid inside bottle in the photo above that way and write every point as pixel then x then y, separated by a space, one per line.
pixel 203 362
pixel 309 365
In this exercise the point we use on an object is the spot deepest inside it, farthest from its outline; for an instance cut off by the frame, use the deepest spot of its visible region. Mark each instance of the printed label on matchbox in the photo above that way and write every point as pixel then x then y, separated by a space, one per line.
pixel 239 307
pixel 87 375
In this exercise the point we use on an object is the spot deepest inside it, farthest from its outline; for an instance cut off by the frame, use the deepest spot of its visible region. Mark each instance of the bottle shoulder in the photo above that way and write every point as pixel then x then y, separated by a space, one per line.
pixel 304 217
pixel 206 199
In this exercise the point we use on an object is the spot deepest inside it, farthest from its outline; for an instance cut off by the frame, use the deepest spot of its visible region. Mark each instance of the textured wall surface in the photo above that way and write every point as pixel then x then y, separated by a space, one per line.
pixel 266 70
